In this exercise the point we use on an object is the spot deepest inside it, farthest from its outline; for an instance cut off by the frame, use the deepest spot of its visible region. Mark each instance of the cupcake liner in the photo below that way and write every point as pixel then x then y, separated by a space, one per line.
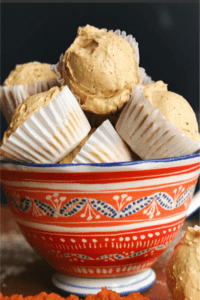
pixel 149 134
pixel 12 96
pixel 57 68
pixel 49 134
pixel 104 146
pixel 144 78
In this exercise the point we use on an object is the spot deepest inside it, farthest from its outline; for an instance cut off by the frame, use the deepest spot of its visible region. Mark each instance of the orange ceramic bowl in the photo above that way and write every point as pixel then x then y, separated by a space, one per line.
pixel 101 220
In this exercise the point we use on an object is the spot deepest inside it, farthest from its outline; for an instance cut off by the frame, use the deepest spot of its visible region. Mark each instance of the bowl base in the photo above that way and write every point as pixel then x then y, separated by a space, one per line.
pixel 123 285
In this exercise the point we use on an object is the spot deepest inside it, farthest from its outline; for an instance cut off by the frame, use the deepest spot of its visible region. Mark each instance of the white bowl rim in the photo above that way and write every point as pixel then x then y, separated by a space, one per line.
pixel 111 164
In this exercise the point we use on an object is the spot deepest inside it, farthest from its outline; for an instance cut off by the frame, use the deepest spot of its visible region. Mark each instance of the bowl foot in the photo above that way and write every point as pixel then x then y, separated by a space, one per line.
pixel 123 285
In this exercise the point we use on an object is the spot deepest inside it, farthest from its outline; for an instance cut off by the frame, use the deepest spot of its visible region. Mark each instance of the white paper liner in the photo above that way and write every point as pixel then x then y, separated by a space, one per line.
pixel 104 146
pixel 49 134
pixel 57 68
pixel 12 96
pixel 144 78
pixel 149 134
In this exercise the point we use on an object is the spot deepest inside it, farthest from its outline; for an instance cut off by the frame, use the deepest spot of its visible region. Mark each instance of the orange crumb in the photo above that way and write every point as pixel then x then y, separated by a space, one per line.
pixel 41 296
pixel 104 294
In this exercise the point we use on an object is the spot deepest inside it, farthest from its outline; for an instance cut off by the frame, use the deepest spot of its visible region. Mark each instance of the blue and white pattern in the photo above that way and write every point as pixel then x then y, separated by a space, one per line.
pixel 181 200
pixel 73 206
pixel 112 257
pixel 92 208
pixel 24 204
pixel 45 208
pixel 139 253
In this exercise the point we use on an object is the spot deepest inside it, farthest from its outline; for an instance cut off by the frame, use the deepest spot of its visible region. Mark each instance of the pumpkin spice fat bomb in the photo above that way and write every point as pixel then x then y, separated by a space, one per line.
pixel 100 69
pixel 45 127
pixel 24 111
pixel 183 268
pixel 29 73
pixel 173 107
pixel 24 81
pixel 157 123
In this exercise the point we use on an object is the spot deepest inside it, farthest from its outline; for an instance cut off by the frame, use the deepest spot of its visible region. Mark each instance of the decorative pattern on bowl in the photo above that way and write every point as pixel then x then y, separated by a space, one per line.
pixel 101 220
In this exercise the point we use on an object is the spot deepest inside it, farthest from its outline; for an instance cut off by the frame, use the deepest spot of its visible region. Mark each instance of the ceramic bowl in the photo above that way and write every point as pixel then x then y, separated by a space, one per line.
pixel 101 224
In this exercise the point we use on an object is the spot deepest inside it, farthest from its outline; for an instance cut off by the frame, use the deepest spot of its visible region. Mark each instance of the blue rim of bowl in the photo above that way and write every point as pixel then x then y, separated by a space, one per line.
pixel 112 164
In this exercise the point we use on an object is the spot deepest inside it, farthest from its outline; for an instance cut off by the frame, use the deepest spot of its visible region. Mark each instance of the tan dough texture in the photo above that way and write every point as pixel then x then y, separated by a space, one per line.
pixel 29 73
pixel 31 105
pixel 100 68
pixel 174 107
pixel 183 268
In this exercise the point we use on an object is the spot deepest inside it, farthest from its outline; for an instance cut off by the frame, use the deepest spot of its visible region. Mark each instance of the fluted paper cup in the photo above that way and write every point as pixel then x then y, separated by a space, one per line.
pixel 144 78
pixel 49 134
pixel 103 146
pixel 12 96
pixel 149 133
